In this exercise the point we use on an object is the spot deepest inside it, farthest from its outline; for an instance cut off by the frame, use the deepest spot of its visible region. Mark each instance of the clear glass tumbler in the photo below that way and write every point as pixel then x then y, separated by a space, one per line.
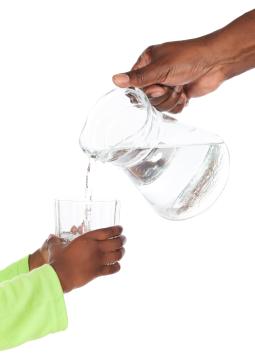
pixel 76 217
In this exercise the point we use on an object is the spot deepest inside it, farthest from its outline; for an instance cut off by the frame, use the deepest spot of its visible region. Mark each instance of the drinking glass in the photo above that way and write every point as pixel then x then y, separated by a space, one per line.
pixel 76 217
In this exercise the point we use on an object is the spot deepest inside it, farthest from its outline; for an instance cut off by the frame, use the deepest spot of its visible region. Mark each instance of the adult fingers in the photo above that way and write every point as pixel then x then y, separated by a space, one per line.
pixel 177 109
pixel 141 77
pixel 168 101
pixel 155 91
pixel 183 101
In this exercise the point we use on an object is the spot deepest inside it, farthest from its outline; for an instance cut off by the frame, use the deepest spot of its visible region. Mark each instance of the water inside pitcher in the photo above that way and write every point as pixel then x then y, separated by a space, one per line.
pixel 179 169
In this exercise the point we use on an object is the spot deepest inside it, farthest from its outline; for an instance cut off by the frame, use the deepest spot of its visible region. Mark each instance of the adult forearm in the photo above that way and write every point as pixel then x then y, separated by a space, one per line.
pixel 235 45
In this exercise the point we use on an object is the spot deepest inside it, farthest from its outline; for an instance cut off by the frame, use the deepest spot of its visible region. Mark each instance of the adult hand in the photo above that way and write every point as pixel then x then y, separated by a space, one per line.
pixel 173 72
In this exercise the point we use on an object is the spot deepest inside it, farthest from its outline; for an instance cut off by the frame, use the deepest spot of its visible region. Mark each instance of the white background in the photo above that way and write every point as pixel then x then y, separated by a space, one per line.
pixel 186 289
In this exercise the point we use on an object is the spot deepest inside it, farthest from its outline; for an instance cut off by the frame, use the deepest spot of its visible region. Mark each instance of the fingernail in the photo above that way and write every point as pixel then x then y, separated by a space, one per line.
pixel 121 80
pixel 156 94
pixel 178 89
pixel 74 230
pixel 182 99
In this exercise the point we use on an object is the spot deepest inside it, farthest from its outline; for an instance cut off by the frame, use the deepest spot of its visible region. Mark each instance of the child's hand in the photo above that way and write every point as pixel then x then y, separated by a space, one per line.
pixel 41 256
pixel 90 255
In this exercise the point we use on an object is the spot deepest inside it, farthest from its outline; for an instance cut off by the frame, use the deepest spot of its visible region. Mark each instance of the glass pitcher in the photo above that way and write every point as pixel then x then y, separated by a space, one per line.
pixel 179 169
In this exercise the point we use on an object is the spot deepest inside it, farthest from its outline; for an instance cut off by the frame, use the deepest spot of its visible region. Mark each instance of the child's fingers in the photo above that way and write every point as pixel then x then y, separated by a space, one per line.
pixel 112 257
pixel 81 229
pixel 110 269
pixel 112 244
pixel 74 230
pixel 105 233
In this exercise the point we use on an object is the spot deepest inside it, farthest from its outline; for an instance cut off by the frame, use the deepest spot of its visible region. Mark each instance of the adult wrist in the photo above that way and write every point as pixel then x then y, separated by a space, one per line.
pixel 233 47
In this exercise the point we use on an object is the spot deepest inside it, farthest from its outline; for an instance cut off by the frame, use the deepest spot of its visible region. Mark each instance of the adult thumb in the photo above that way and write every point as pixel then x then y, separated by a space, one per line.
pixel 140 78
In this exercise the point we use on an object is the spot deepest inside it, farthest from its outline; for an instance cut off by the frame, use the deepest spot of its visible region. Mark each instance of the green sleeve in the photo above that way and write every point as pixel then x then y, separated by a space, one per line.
pixel 19 267
pixel 31 306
